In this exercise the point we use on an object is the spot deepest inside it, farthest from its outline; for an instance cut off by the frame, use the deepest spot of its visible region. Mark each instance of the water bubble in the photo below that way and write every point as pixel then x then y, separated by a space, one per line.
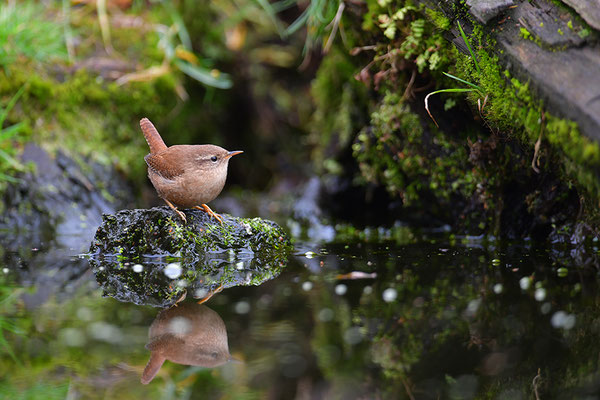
pixel 389 295
pixel 239 265
pixel 84 314
pixel 353 335
pixel 310 254
pixel 498 288
pixel 341 289
pixel 540 294
pixel 367 290
pixel 200 293
pixel 104 331
pixel 242 307
pixel 173 270
pixel 561 319
pixel 138 268
pixel 472 307
pixel 72 337
pixel 525 283
pixel 307 286
pixel 325 314
pixel 496 262
pixel 5 270
pixel 546 307
pixel 179 326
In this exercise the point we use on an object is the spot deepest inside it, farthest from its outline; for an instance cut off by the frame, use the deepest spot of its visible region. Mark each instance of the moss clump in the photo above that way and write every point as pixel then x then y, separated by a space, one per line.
pixel 204 254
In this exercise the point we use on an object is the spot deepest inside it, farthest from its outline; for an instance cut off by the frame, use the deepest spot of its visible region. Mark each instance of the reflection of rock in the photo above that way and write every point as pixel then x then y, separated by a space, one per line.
pixel 189 334
pixel 129 254
pixel 60 202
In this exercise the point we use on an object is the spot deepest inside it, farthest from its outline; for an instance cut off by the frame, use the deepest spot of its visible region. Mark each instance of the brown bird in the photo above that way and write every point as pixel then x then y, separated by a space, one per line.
pixel 186 176
pixel 190 334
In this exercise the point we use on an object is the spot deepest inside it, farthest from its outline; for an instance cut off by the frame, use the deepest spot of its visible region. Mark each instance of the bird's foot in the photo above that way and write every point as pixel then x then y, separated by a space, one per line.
pixel 210 212
pixel 211 294
pixel 181 214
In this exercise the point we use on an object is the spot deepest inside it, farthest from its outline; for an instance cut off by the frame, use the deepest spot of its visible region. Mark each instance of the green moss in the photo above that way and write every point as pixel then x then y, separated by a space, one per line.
pixel 335 88
pixel 438 19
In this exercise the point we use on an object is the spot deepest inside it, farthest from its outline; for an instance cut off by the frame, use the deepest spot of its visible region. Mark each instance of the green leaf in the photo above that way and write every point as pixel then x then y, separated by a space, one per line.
pixel 11 131
pixel 463 81
pixel 464 36
pixel 203 75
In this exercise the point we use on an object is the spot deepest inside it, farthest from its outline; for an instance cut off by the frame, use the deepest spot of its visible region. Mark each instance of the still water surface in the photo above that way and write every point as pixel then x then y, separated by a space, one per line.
pixel 437 318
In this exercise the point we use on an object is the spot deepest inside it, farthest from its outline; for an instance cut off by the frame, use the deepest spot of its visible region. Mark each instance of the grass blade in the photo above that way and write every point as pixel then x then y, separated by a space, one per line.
pixel 464 36
pixel 11 131
pixel 203 75
pixel 272 13
pixel 10 105
pixel 442 91
pixel 463 81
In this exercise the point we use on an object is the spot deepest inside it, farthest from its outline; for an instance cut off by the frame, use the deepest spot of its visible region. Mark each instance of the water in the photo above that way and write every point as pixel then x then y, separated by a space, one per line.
pixel 436 318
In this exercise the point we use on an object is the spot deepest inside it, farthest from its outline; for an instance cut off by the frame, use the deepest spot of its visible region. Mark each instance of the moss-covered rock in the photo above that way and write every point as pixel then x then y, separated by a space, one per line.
pixel 152 257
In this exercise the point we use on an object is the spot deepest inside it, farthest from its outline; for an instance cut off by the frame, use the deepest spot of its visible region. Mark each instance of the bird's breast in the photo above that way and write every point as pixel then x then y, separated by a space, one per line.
pixel 191 188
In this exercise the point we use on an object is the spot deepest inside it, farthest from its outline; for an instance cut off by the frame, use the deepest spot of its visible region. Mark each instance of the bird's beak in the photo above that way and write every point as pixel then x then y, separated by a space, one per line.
pixel 233 153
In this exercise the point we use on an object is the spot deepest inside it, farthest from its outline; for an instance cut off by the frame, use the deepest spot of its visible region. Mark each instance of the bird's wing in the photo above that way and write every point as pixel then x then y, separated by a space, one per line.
pixel 162 165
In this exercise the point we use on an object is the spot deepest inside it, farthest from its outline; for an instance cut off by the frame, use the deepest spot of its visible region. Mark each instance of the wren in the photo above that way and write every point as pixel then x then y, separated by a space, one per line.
pixel 186 176
pixel 189 334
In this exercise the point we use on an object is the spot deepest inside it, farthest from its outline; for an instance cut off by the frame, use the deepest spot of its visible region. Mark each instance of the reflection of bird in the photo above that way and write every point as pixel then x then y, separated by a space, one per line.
pixel 186 175
pixel 190 334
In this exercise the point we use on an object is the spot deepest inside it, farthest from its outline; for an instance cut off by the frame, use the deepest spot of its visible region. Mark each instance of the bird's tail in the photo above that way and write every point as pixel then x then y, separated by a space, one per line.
pixel 152 136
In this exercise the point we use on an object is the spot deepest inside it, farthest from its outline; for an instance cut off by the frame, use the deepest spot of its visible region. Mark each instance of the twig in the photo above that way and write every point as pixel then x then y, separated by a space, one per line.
pixel 534 383
pixel 407 388
pixel 104 25
pixel 408 93
pixel 538 144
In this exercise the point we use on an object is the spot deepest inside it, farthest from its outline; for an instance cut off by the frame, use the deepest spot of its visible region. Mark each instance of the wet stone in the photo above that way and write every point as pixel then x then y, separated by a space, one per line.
pixel 179 260
pixel 588 10
pixel 553 27
pixel 485 10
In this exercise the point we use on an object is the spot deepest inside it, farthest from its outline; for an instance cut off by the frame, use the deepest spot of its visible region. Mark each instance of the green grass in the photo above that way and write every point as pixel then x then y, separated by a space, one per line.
pixel 473 87
pixel 24 32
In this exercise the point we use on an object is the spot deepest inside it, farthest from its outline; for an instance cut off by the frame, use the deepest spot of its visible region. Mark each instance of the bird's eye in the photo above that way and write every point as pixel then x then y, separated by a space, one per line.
pixel 213 159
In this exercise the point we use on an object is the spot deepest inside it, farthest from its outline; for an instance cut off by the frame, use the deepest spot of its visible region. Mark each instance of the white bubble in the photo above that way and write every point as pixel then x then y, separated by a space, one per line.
pixel 540 294
pixel 498 288
pixel 239 265
pixel 561 319
pixel 242 307
pixel 173 270
pixel 389 295
pixel 104 331
pixel 525 283
pixel 325 314
pixel 310 254
pixel 472 307
pixel 200 293
pixel 84 314
pixel 367 290
pixel 138 268
pixel 307 286
pixel 341 289
pixel 182 283
pixel 353 335
pixel 546 307
pixel 179 326
pixel 72 337
pixel 5 270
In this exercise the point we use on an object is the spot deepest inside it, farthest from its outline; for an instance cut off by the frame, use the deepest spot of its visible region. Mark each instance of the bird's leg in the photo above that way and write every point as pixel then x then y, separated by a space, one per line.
pixel 210 212
pixel 211 294
pixel 182 215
